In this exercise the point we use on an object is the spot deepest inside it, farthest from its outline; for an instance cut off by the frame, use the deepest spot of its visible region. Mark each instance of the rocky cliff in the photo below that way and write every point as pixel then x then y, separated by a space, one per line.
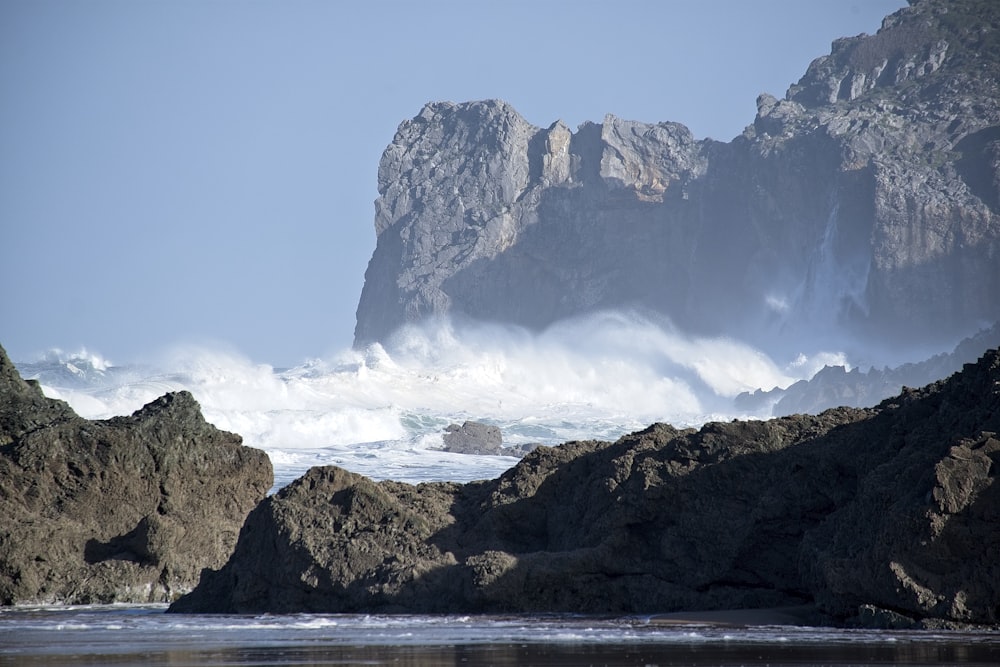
pixel 129 509
pixel 867 201
pixel 893 508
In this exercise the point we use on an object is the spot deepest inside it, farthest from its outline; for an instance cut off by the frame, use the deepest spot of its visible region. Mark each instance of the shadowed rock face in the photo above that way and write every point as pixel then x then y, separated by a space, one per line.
pixel 865 202
pixel 893 508
pixel 128 509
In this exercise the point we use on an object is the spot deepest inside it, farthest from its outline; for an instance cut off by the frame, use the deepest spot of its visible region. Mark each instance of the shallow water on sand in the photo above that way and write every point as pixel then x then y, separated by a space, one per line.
pixel 145 635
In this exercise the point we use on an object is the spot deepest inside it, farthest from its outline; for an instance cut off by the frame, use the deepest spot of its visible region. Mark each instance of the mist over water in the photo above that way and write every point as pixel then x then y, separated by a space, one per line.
pixel 381 411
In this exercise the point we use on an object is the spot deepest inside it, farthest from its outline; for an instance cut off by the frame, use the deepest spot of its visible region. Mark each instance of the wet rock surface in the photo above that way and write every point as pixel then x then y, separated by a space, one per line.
pixel 877 515
pixel 477 438
pixel 472 438
pixel 128 509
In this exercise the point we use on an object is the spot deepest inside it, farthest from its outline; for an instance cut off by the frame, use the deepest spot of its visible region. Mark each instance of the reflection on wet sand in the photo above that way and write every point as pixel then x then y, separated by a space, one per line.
pixel 733 653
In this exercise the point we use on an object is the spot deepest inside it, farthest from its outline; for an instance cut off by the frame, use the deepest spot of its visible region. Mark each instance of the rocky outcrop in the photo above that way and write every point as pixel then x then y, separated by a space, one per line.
pixel 864 513
pixel 129 509
pixel 867 202
pixel 472 438
pixel 478 438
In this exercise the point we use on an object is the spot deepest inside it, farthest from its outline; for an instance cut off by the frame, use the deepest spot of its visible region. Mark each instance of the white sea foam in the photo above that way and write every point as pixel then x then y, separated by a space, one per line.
pixel 381 411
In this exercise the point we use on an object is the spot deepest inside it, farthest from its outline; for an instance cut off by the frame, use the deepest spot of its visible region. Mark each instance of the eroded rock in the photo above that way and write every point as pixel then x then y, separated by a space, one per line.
pixel 128 509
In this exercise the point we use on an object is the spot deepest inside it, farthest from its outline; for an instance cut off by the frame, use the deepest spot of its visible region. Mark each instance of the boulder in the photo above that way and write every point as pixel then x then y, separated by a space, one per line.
pixel 472 438
pixel 852 510
pixel 128 509
pixel 477 438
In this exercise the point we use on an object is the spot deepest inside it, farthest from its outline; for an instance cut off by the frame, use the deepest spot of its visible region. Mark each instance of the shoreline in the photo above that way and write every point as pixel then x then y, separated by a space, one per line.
pixel 802 615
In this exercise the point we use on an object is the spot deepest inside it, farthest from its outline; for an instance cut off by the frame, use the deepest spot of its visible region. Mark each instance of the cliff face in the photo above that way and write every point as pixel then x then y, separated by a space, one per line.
pixel 866 201
pixel 892 508
pixel 129 509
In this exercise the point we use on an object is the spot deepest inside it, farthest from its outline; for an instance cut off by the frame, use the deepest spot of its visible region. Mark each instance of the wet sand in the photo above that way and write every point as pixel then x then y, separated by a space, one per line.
pixel 799 616
pixel 138 636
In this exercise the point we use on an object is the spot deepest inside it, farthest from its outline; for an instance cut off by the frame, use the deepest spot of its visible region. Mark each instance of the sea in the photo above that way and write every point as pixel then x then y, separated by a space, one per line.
pixel 145 635
pixel 381 411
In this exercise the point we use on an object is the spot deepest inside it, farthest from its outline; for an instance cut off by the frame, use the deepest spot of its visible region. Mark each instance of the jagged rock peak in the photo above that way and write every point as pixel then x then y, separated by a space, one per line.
pixel 178 408
pixel 23 406
pixel 461 184
pixel 927 37
pixel 462 144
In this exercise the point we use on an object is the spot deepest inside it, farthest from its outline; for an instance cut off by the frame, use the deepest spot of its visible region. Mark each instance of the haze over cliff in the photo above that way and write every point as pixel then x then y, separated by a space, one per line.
pixel 864 206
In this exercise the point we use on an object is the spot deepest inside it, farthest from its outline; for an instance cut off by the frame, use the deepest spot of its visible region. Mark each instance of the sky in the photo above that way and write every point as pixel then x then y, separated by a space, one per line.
pixel 203 172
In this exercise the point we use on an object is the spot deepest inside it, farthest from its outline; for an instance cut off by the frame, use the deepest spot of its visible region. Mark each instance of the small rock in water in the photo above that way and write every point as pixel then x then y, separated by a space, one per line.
pixel 478 438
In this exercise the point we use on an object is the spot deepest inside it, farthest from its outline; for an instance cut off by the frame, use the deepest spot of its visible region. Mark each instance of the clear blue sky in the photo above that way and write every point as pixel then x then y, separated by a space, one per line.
pixel 180 171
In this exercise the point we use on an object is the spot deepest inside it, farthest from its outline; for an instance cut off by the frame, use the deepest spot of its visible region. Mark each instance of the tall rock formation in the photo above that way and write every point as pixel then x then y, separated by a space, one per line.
pixel 865 202
pixel 893 508
pixel 128 509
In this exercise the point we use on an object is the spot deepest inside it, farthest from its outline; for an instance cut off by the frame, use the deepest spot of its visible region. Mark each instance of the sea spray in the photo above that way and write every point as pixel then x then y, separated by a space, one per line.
pixel 380 411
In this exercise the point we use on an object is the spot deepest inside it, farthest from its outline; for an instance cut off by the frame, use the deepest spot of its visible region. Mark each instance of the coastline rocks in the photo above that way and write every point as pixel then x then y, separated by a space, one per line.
pixel 891 508
pixel 472 438
pixel 864 204
pixel 128 509
pixel 478 438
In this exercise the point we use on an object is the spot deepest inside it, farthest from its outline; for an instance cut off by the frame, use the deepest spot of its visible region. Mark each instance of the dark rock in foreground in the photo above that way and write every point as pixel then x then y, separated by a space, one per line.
pixel 893 508
pixel 129 509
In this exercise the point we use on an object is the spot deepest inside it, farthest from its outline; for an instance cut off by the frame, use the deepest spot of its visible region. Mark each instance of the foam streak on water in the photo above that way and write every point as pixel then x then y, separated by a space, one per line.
pixel 381 411
pixel 144 635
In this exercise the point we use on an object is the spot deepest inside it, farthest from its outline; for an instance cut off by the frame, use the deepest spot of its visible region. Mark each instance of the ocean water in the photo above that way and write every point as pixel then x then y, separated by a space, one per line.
pixel 381 411
pixel 145 635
